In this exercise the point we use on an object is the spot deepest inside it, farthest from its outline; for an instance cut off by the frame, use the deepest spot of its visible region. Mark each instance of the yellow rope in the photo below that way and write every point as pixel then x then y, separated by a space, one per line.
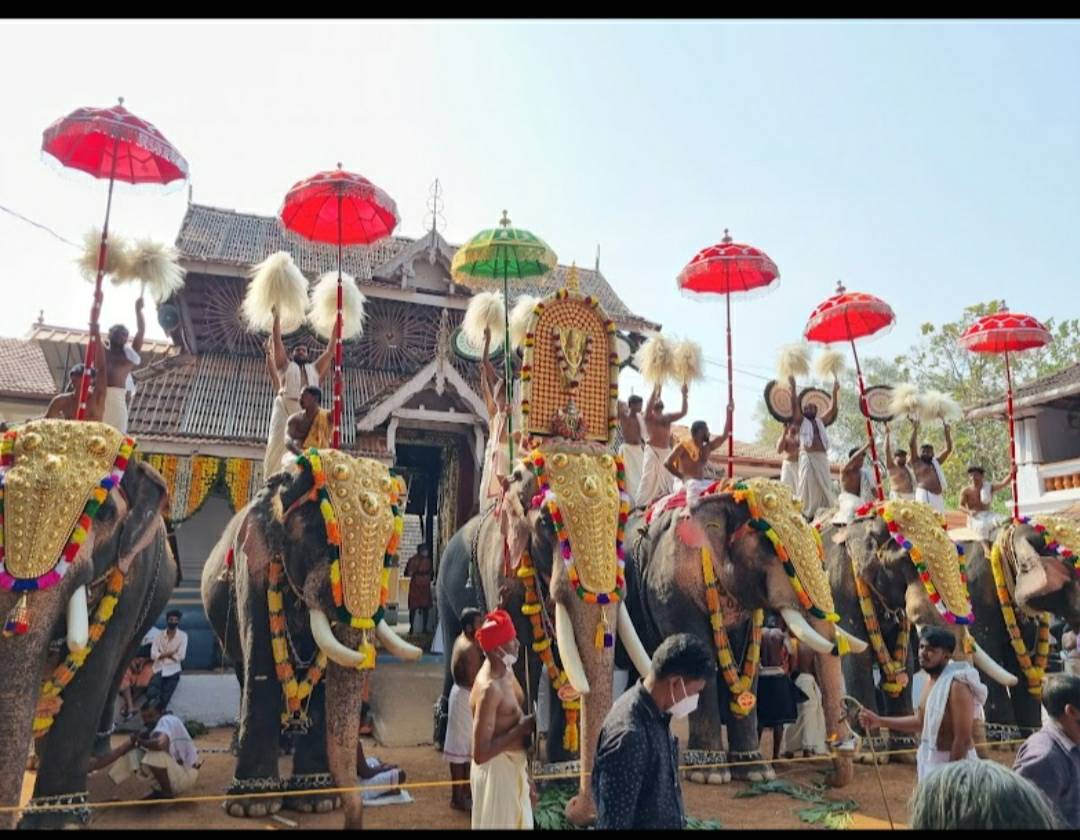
pixel 130 803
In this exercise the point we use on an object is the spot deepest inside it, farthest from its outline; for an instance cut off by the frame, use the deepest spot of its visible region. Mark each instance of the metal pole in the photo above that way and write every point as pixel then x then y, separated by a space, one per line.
pixel 1012 437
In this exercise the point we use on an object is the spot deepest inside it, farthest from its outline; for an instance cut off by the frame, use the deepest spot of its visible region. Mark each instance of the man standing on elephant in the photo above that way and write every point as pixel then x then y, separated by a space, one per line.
pixel 65 406
pixel 123 359
pixel 310 427
pixel 167 651
pixel 951 703
pixel 465 661
pixel 501 791
pixel 853 486
pixel 632 450
pixel 656 481
pixel 928 473
pixel 901 479
pixel 688 460
pixel 975 502
pixel 815 477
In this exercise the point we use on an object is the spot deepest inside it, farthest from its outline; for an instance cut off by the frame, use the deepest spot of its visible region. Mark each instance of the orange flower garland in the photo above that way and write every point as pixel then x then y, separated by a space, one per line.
pixel 296 693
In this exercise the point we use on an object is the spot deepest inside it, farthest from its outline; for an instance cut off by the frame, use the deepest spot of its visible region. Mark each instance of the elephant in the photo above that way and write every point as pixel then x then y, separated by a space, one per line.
pixel 1038 580
pixel 899 599
pixel 472 572
pixel 125 556
pixel 282 542
pixel 667 583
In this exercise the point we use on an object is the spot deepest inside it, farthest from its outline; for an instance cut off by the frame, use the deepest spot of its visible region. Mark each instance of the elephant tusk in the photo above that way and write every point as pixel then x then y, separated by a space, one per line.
pixel 394 644
pixel 568 650
pixel 78 623
pixel 634 648
pixel 989 667
pixel 806 634
pixel 854 642
pixel 324 637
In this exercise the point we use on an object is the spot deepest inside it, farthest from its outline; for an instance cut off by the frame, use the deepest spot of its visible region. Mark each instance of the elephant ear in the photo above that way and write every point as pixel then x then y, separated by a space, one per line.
pixel 148 497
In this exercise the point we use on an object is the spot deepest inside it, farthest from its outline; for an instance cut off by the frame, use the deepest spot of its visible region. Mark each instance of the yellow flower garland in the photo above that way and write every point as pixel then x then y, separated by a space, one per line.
pixel 238 475
pixel 1033 670
pixel 893 666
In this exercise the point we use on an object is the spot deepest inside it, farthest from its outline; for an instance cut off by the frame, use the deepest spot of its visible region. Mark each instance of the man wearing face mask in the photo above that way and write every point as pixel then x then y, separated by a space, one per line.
pixel 502 794
pixel 635 780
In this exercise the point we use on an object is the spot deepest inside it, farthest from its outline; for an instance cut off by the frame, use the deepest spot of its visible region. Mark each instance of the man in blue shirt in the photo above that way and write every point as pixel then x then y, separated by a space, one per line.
pixel 1050 759
pixel 635 780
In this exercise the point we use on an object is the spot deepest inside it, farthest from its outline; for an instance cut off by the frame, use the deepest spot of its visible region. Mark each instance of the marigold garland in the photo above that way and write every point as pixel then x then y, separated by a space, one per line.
pixel 542 645
pixel 49 701
pixel 893 665
pixel 738 686
pixel 238 477
pixel 205 472
pixel 295 692
pixel 1033 671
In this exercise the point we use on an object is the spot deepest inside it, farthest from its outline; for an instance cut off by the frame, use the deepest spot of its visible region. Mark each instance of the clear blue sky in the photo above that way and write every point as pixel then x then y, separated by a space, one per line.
pixel 933 164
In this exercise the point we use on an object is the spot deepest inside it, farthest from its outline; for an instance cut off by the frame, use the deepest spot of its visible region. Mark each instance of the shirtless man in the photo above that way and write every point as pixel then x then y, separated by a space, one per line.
pixel 815 478
pixel 688 460
pixel 951 702
pixel 975 502
pixel 901 479
pixel 655 480
pixel 787 445
pixel 632 450
pixel 122 361
pixel 465 661
pixel 501 791
pixel 930 479
pixel 65 406
pixel 310 426
pixel 852 485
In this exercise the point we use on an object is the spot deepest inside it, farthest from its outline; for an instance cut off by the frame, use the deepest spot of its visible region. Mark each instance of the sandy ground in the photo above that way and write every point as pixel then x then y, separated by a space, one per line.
pixel 431 808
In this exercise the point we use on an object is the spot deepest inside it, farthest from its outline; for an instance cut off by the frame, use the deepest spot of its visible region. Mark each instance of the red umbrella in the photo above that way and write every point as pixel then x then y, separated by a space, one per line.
pixel 847 316
pixel 343 208
pixel 1006 332
pixel 110 143
pixel 724 269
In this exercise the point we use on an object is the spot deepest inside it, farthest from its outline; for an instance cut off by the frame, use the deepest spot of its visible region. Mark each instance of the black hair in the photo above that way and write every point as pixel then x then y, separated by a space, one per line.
pixel 1058 690
pixel 929 446
pixel 469 617
pixel 171 613
pixel 155 705
pixel 975 468
pixel 938 637
pixel 116 328
pixel 634 399
pixel 77 370
pixel 683 655
pixel 900 452
pixel 698 426
pixel 315 391
pixel 853 450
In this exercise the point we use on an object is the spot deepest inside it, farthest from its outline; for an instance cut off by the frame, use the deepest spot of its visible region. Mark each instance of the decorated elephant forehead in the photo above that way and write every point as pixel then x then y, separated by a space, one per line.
pixel 57 472
pixel 363 495
pixel 1061 530
pixel 585 489
pixel 918 528
pixel 772 502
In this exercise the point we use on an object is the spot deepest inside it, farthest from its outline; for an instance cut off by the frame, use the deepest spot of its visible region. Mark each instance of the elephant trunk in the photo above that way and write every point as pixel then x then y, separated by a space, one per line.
pixel 343 687
pixel 831 679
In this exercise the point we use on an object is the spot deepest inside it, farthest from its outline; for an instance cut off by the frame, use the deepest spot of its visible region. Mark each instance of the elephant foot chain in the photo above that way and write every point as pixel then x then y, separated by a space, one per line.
pixel 267 784
pixel 307 782
pixel 253 806
pixel 60 804
pixel 558 768
pixel 698 758
pixel 706 767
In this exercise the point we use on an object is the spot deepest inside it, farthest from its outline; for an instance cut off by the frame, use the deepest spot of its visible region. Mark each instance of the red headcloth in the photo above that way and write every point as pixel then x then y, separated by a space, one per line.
pixel 497 630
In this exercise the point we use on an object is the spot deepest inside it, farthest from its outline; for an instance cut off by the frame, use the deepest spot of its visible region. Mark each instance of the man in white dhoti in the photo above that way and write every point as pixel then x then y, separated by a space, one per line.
pixel 815 478
pixel 901 478
pixel 465 662
pixel 122 360
pixel 808 734
pixel 855 487
pixel 164 752
pixel 975 502
pixel 688 460
pixel 293 376
pixel 632 450
pixel 930 478
pixel 656 481
pixel 787 445
pixel 951 702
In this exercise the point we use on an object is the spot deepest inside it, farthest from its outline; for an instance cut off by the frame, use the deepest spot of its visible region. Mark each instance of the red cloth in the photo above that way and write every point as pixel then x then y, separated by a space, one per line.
pixel 497 630
pixel 675 500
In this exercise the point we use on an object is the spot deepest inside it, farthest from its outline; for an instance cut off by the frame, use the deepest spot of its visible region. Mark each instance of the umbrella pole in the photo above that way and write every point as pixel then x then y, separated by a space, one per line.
pixel 95 309
pixel 730 390
pixel 507 367
pixel 1012 436
pixel 337 339
pixel 869 427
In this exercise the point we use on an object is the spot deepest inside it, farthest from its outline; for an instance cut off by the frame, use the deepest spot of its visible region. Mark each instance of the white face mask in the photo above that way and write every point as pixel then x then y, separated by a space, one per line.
pixel 508 659
pixel 684 706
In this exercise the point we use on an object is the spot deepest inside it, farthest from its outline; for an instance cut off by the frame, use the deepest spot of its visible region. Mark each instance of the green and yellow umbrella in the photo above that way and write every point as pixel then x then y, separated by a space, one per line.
pixel 496 257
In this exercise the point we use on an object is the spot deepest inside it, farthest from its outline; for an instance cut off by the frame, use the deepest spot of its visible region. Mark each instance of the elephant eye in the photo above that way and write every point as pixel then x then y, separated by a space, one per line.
pixel 107 512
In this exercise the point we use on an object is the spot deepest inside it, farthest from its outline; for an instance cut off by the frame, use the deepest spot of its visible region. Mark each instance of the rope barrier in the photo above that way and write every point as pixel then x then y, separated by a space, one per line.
pixel 138 803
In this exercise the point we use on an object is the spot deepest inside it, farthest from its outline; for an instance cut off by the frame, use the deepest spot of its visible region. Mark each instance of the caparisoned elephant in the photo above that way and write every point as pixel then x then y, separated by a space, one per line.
pixel 724 546
pixel 297 584
pixel 571 590
pixel 87 605
pixel 898 599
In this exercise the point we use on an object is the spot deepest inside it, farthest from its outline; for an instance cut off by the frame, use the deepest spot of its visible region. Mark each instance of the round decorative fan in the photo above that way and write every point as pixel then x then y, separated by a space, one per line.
pixel 468 351
pixel 878 398
pixel 778 401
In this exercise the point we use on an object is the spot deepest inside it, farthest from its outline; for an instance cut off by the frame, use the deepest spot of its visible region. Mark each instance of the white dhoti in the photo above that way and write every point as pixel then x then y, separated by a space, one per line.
pixel 116 409
pixel 633 456
pixel 381 782
pixel 500 792
pixel 984 523
pixel 807 733
pixel 138 761
pixel 694 487
pixel 457 745
pixel 815 482
pixel 929 756
pixel 847 504
pixel 275 438
pixel 789 475
pixel 656 481
pixel 897 495
pixel 935 500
